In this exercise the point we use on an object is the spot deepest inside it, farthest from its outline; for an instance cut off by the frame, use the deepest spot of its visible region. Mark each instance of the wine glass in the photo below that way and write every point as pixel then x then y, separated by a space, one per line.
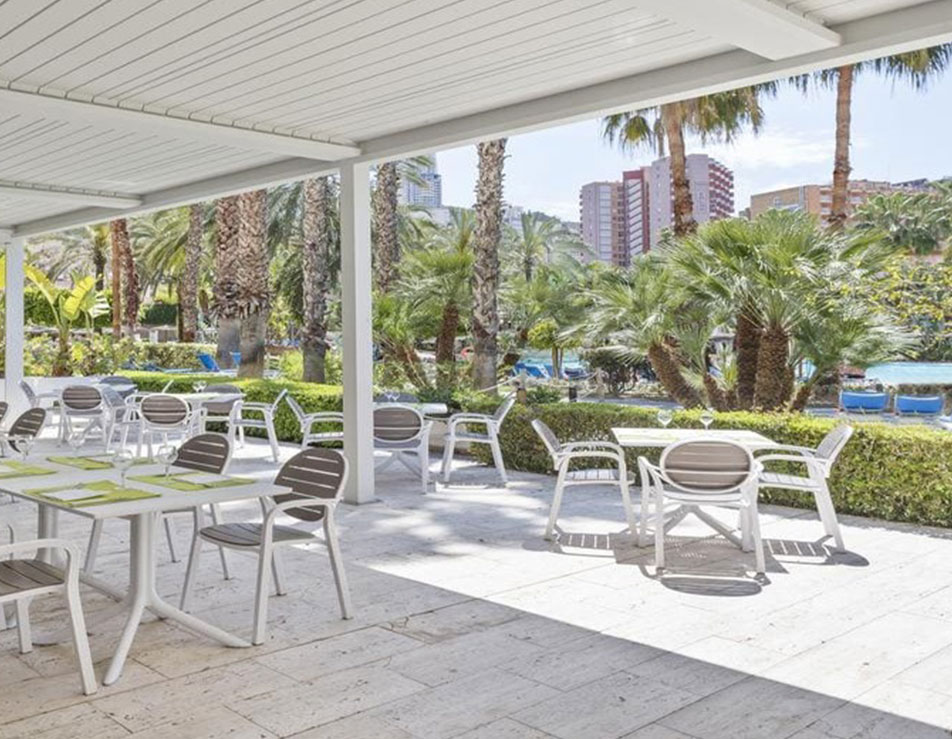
pixel 166 455
pixel 391 396
pixel 665 417
pixel 75 440
pixel 200 386
pixel 122 461
pixel 24 444
pixel 707 418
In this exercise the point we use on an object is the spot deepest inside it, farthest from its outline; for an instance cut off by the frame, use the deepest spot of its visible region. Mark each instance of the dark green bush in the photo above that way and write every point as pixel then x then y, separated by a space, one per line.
pixel 160 313
pixel 899 473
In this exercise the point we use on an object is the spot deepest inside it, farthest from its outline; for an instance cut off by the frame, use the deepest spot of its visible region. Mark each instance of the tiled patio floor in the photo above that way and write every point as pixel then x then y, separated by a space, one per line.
pixel 469 624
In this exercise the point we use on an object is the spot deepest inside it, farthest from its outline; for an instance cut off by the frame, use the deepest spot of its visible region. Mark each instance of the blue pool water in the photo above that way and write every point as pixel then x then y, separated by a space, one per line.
pixel 911 373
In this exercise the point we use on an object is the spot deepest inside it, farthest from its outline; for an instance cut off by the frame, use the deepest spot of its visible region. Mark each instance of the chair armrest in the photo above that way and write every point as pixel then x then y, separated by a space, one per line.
pixel 809 461
pixel 788 449
pixel 593 446
pixel 467 418
pixel 566 457
pixel 313 418
pixel 31 545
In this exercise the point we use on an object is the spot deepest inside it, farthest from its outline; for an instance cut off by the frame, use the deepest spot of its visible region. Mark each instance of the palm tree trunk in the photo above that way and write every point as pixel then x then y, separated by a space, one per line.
pixel 684 223
pixel 839 208
pixel 253 279
pixel 130 278
pixel 114 238
pixel 387 248
pixel 315 265
pixel 669 374
pixel 492 157
pixel 446 346
pixel 715 394
pixel 772 366
pixel 802 397
pixel 99 267
pixel 225 295
pixel 747 348
pixel 188 290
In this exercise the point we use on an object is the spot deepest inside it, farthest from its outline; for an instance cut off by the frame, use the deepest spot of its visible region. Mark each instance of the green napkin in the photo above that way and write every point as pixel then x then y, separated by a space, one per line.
pixel 179 481
pixel 110 492
pixel 13 468
pixel 83 463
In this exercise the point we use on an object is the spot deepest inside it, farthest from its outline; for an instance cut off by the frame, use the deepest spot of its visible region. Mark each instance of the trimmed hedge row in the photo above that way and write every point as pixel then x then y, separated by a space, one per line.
pixel 899 473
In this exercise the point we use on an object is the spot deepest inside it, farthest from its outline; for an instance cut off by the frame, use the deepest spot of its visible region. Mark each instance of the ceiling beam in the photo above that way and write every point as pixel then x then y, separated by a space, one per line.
pixel 908 29
pixel 59 108
pixel 69 195
pixel 758 26
pixel 268 175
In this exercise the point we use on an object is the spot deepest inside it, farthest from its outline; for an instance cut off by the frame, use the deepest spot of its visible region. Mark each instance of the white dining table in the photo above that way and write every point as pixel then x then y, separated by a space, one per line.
pixel 654 437
pixel 426 409
pixel 143 515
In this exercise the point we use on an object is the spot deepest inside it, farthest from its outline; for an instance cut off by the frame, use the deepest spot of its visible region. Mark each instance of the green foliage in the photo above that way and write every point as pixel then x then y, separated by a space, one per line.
pixel 160 313
pixel 919 222
pixel 618 370
pixel 899 473
pixel 291 366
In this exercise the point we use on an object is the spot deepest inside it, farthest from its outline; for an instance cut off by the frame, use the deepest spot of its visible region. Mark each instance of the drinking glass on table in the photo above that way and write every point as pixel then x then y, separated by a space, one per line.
pixel 22 444
pixel 707 418
pixel 166 455
pixel 391 395
pixel 75 440
pixel 200 386
pixel 665 417
pixel 122 461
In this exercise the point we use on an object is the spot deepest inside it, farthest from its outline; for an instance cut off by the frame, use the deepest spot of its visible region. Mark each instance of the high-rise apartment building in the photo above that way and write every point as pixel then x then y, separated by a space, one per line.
pixel 428 192
pixel 818 199
pixel 603 221
pixel 621 220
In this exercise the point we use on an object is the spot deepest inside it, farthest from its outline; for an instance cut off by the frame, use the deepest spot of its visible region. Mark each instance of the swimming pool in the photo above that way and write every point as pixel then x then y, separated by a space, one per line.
pixel 911 373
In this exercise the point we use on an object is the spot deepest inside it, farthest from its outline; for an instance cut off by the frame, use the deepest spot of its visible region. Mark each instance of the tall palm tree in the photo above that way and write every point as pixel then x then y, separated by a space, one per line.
pixel 91 245
pixel 227 256
pixel 115 236
pixel 539 240
pixel 720 116
pixel 188 291
pixel 918 68
pixel 119 230
pixel 254 294
pixel 316 273
pixel 492 157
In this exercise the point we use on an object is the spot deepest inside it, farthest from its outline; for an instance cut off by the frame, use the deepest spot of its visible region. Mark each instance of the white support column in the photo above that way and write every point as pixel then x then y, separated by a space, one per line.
pixel 14 342
pixel 356 299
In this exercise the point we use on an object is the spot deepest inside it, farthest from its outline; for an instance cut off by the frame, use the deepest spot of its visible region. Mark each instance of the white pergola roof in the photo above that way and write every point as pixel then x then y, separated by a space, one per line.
pixel 110 107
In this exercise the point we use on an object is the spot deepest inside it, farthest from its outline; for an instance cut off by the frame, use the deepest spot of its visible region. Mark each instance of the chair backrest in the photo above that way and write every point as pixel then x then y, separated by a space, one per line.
pixel 552 444
pixel 312 473
pixel 28 392
pixel 395 423
pixel 833 443
pixel 707 466
pixel 280 396
pixel 124 385
pixel 113 398
pixel 221 408
pixel 81 398
pixel 295 407
pixel 863 401
pixel 919 405
pixel 28 423
pixel 205 452
pixel 499 415
pixel 208 362
pixel 163 410
pixel 4 407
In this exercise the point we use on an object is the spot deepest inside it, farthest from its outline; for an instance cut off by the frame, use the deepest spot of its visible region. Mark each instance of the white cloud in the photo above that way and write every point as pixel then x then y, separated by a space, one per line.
pixel 773 150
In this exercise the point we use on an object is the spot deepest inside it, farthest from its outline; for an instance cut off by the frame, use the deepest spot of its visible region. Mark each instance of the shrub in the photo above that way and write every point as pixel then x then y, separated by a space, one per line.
pixel 899 473
pixel 160 313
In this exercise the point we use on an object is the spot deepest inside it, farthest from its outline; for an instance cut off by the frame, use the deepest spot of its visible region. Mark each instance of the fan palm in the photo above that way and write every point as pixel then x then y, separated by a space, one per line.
pixel 254 293
pixel 227 255
pixel 316 251
pixel 917 222
pixel 539 240
pixel 91 245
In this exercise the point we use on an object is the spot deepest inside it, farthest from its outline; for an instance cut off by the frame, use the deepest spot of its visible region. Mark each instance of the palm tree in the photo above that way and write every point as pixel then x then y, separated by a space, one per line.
pixel 539 240
pixel 91 244
pixel 119 230
pixel 394 327
pixel 227 256
pixel 919 223
pixel 188 291
pixel 316 273
pixel 918 68
pixel 720 116
pixel 115 236
pixel 254 295
pixel 492 157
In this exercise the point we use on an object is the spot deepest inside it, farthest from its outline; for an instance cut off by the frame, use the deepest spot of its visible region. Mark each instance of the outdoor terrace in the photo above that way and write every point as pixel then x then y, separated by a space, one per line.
pixel 468 624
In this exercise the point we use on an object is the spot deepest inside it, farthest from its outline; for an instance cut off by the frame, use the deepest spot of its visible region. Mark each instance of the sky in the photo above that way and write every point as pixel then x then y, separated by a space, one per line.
pixel 898 134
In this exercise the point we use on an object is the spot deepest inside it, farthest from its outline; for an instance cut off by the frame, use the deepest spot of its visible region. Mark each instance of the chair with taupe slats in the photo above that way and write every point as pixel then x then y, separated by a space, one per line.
pixel 330 424
pixel 697 473
pixel 27 424
pixel 82 402
pixel 202 453
pixel 317 477
pixel 163 416
pixel 402 430
pixel 21 580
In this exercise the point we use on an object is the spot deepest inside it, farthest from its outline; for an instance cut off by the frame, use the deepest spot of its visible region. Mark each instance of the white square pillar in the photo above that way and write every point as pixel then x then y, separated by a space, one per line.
pixel 14 334
pixel 356 302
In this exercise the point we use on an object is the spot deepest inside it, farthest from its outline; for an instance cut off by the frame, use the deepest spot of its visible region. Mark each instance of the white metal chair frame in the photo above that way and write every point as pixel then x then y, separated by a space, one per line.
pixel 36 400
pixel 68 584
pixel 819 464
pixel 150 425
pixel 309 420
pixel 238 422
pixel 492 425
pixel 323 509
pixel 564 454
pixel 656 482
pixel 97 414
pixel 417 443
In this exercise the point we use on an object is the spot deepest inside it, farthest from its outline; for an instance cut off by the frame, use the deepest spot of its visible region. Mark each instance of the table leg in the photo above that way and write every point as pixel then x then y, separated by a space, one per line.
pixel 47 527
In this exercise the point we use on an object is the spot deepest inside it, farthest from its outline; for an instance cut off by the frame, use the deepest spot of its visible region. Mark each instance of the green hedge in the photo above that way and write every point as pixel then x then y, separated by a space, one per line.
pixel 899 473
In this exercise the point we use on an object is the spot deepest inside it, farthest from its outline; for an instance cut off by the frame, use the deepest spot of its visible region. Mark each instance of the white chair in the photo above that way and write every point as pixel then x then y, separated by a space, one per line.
pixel 238 421
pixel 819 464
pixel 82 402
pixel 458 429
pixel 698 473
pixel 21 580
pixel 309 420
pixel 163 416
pixel 226 411
pixel 28 424
pixel 402 430
pixel 317 477
pixel 37 400
pixel 562 457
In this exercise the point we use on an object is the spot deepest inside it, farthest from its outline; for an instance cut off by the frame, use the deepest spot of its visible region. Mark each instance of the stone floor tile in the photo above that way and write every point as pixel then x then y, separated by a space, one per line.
pixel 504 728
pixel 217 723
pixel 73 722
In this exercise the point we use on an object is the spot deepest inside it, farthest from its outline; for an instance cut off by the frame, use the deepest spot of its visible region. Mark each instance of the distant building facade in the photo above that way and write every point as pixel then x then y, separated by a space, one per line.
pixel 427 192
pixel 818 199
pixel 621 220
